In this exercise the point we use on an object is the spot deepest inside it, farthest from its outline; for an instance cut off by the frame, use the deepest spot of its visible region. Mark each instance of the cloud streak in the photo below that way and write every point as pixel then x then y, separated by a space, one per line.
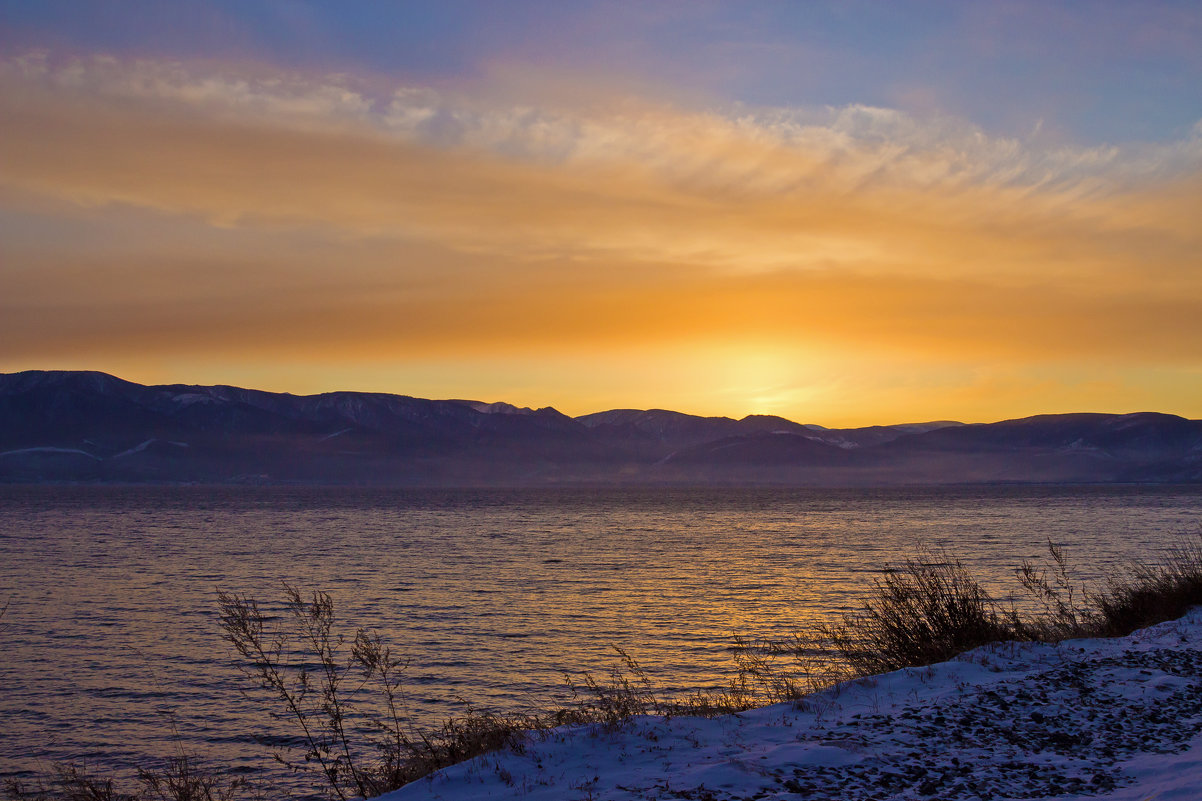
pixel 273 212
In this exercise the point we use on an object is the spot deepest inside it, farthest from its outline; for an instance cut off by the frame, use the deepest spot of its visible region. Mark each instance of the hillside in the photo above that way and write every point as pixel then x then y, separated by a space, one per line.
pixel 88 426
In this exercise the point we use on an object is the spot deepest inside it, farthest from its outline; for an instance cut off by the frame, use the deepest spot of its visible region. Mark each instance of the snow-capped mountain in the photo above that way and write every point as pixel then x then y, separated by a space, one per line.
pixel 89 426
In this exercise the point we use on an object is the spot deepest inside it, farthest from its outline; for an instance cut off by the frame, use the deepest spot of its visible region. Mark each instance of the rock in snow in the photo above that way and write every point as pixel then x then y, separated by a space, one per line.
pixel 1119 718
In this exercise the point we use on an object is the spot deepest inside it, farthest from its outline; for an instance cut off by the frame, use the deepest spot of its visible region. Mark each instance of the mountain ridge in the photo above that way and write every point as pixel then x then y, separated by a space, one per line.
pixel 92 426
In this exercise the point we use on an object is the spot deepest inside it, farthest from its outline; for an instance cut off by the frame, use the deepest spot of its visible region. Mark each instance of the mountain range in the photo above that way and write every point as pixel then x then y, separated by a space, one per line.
pixel 68 426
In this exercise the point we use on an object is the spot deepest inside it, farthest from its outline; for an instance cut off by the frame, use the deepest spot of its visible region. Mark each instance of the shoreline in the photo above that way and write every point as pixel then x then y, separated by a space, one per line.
pixel 1120 717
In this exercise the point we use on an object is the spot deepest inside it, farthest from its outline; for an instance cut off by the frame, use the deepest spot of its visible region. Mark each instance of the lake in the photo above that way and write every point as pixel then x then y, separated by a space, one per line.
pixel 113 654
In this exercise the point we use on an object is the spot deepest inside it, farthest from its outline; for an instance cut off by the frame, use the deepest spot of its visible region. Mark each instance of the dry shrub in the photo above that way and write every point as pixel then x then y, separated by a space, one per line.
pixel 1150 593
pixel 929 609
pixel 926 611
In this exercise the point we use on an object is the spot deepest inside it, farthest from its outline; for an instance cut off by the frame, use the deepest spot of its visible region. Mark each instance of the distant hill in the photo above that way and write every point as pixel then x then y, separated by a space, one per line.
pixel 87 426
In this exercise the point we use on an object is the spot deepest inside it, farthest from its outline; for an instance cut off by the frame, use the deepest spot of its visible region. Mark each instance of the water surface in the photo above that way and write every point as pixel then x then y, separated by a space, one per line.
pixel 112 652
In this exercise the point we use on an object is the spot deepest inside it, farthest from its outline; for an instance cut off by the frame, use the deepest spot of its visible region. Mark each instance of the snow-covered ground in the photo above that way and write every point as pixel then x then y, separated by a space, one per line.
pixel 1117 718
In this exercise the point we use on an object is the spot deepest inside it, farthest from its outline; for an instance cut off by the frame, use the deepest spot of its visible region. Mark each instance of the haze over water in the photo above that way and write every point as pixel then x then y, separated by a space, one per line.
pixel 113 649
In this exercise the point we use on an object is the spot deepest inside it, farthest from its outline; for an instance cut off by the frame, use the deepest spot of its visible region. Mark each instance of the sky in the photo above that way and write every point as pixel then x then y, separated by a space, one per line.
pixel 842 213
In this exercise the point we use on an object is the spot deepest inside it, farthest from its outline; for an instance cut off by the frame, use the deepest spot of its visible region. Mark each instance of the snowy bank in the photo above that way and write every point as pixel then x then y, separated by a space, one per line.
pixel 1119 717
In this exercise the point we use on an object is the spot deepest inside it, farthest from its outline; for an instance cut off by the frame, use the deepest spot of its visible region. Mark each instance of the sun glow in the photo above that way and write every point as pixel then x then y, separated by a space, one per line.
pixel 761 378
pixel 303 231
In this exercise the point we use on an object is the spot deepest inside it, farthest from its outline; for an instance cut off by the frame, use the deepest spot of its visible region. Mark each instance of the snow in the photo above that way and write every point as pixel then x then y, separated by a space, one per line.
pixel 1081 446
pixel 190 398
pixel 48 449
pixel 135 449
pixel 144 445
pixel 499 407
pixel 838 442
pixel 1117 718
pixel 128 452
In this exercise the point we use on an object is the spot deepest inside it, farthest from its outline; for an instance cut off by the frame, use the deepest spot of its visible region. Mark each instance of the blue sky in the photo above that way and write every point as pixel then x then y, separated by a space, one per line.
pixel 1091 71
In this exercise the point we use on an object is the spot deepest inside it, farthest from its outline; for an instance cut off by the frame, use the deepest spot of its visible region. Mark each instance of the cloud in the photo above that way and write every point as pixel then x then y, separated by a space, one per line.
pixel 200 209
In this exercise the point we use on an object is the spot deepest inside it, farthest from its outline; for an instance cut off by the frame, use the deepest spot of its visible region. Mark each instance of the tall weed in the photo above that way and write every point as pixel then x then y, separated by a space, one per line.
pixel 925 611
pixel 1151 593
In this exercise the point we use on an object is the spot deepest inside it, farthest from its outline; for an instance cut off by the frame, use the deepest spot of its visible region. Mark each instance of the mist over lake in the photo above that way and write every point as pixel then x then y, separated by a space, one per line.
pixel 113 653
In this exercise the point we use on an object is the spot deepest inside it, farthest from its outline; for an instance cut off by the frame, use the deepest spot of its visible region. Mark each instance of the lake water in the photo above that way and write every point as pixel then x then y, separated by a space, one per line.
pixel 112 653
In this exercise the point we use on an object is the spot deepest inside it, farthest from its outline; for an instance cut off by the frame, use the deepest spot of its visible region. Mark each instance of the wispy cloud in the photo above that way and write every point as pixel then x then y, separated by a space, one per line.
pixel 276 211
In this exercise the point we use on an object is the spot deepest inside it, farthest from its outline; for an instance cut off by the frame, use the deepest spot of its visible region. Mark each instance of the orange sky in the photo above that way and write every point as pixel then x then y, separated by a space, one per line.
pixel 198 222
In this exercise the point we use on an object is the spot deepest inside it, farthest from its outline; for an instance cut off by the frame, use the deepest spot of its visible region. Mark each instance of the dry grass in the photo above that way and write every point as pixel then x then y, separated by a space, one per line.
pixel 1150 593
pixel 323 682
pixel 925 611
pixel 931 608
pixel 179 779
pixel 343 694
